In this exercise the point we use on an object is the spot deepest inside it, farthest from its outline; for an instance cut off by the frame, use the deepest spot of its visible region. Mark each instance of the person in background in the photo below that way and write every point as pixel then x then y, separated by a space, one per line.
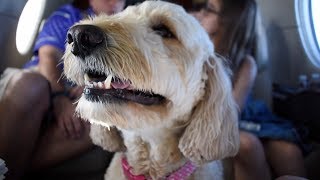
pixel 267 143
pixel 38 127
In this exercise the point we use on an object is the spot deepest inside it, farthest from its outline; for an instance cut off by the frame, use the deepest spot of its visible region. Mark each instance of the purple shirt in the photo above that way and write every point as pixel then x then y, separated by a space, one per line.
pixel 54 31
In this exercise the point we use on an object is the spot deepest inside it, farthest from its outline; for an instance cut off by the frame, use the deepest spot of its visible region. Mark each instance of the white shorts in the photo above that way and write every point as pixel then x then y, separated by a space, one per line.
pixel 5 78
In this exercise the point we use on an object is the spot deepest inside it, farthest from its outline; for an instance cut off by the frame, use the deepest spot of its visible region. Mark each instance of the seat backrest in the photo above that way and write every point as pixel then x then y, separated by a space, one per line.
pixel 9 15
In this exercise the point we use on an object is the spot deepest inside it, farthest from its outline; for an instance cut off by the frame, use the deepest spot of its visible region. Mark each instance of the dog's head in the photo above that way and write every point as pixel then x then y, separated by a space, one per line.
pixel 153 66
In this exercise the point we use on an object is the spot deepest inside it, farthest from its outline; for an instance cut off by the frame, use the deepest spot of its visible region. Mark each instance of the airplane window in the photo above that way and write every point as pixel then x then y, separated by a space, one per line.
pixel 315 8
pixel 308 21
pixel 28 25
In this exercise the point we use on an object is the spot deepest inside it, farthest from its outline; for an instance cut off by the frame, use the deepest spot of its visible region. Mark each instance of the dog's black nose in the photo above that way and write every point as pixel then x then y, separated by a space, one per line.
pixel 85 39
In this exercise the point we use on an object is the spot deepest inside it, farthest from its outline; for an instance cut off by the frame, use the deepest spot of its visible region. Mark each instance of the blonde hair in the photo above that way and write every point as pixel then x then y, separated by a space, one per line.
pixel 243 33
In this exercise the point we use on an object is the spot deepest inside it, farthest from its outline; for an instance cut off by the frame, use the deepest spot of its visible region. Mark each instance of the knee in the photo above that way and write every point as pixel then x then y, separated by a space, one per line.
pixel 288 177
pixel 249 145
pixel 29 89
pixel 292 150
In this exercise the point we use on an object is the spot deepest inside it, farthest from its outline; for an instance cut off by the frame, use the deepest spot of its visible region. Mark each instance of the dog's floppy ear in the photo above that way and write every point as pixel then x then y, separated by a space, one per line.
pixel 109 139
pixel 213 130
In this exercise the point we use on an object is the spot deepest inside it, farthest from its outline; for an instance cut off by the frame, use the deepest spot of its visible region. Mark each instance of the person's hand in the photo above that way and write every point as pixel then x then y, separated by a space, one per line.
pixel 75 92
pixel 64 111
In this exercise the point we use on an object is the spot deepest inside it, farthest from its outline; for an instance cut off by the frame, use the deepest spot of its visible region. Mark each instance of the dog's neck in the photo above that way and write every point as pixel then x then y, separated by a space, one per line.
pixel 154 152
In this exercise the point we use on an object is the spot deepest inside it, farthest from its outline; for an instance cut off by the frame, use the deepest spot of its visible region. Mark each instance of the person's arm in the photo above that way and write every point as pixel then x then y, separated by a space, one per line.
pixel 244 80
pixel 49 47
pixel 49 57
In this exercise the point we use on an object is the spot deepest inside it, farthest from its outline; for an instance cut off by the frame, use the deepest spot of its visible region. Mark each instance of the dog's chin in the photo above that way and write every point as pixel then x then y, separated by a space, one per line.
pixel 107 89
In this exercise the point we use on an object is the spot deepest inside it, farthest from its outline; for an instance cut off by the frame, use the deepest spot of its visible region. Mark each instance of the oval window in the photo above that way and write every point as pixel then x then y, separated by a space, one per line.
pixel 315 9
pixel 28 25
pixel 308 21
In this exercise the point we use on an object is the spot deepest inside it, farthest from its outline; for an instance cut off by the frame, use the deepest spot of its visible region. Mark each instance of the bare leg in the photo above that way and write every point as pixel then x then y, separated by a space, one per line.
pixel 285 158
pixel 250 162
pixel 22 108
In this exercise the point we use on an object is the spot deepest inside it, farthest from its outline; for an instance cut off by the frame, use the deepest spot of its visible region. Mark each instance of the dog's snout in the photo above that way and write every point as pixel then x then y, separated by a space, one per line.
pixel 85 39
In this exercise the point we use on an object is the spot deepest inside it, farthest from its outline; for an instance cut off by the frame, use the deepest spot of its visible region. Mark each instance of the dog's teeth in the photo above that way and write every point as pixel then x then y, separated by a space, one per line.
pixel 107 82
pixel 86 78
pixel 100 84
pixel 90 85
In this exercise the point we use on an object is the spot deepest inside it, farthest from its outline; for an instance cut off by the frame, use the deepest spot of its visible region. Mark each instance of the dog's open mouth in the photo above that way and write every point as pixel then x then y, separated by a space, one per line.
pixel 105 88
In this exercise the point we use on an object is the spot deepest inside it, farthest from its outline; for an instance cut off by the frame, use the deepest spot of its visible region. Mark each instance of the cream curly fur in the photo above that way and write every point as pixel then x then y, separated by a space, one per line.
pixel 198 121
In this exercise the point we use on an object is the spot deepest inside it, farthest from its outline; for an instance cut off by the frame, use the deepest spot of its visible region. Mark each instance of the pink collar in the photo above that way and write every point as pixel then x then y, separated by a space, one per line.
pixel 185 171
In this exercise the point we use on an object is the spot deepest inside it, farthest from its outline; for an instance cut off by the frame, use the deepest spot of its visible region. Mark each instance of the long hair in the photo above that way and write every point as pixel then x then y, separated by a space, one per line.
pixel 243 33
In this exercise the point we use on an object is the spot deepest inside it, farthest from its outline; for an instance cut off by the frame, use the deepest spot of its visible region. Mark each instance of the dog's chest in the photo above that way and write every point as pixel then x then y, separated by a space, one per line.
pixel 153 155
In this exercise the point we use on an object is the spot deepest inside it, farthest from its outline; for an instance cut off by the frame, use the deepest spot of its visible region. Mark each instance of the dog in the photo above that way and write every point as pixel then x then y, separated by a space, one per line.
pixel 155 93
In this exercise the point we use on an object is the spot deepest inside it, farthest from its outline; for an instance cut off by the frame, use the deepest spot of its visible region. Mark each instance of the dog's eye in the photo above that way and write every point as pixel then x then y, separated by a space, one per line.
pixel 163 31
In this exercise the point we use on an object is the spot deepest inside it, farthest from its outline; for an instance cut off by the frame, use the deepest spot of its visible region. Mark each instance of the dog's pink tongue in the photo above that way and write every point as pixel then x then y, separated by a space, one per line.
pixel 120 85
